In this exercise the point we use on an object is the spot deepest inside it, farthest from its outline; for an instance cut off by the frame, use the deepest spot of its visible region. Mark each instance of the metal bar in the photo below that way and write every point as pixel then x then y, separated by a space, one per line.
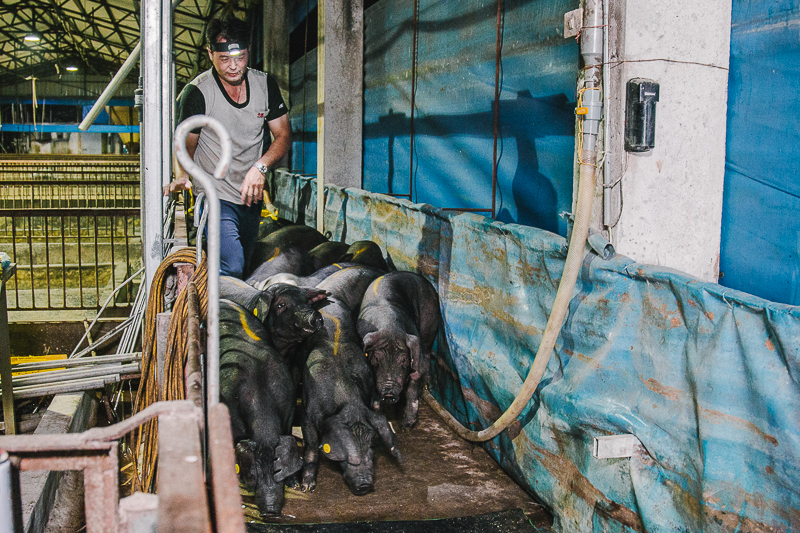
pixel 30 255
pixel 213 233
pixel 193 370
pixel 128 252
pixel 105 338
pixel 112 87
pixel 99 360
pixel 80 211
pixel 96 265
pixel 414 42
pixel 113 229
pixel 102 493
pixel 14 259
pixel 80 262
pixel 63 262
pixel 182 500
pixel 227 500
pixel 70 374
pixel 5 353
pixel 47 257
pixel 73 386
pixel 496 118
pixel 105 304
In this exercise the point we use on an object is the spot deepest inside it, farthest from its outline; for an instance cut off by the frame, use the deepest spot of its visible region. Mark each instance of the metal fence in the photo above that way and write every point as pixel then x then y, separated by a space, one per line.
pixel 73 228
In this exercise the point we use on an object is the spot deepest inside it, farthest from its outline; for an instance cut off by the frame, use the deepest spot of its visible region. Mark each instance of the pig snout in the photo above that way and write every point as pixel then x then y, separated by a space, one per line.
pixel 390 390
pixel 309 322
pixel 359 479
pixel 270 499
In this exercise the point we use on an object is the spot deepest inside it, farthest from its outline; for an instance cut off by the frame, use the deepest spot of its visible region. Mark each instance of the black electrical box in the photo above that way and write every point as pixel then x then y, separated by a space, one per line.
pixel 640 115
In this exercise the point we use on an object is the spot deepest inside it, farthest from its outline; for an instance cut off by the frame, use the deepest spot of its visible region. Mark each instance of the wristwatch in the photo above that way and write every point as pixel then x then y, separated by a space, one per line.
pixel 261 167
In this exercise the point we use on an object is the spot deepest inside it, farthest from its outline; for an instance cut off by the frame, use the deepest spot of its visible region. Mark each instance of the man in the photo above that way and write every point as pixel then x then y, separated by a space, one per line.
pixel 243 100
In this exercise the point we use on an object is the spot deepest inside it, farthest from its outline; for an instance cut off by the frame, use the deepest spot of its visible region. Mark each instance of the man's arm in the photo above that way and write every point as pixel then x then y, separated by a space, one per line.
pixel 253 184
pixel 181 181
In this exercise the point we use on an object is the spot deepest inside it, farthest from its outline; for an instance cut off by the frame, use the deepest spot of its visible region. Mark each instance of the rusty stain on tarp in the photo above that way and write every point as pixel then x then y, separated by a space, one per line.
pixel 708 384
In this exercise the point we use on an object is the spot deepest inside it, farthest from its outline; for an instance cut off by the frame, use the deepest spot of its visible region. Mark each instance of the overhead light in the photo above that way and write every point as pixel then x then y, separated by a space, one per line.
pixel 72 68
pixel 32 38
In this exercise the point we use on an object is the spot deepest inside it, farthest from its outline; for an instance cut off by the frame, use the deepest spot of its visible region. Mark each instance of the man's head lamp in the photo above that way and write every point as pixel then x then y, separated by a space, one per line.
pixel 234 48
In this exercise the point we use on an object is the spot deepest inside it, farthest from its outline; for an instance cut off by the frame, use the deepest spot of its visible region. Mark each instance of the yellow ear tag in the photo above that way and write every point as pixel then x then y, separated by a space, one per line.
pixel 366 354
pixel 237 469
pixel 255 311
pixel 326 448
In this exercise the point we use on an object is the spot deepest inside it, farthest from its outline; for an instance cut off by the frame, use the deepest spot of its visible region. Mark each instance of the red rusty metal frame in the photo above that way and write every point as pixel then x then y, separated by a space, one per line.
pixel 180 426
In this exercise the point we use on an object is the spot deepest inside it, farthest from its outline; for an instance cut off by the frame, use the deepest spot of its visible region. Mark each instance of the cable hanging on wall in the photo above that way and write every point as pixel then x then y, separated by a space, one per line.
pixel 414 41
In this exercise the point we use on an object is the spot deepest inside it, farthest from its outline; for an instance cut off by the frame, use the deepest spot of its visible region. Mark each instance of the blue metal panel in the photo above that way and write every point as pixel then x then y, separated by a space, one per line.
pixel 454 107
pixel 303 114
pixel 119 102
pixel 707 378
pixel 760 226
pixel 69 128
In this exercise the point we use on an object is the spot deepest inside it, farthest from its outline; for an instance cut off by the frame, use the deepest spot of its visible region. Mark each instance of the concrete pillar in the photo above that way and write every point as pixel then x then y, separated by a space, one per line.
pixel 672 196
pixel 340 84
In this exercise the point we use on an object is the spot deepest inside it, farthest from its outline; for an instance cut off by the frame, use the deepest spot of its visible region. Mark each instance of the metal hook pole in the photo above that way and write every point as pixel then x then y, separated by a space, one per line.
pixel 209 188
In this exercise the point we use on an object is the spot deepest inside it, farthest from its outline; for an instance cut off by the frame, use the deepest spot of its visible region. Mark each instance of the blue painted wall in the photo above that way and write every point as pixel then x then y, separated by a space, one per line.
pixel 760 249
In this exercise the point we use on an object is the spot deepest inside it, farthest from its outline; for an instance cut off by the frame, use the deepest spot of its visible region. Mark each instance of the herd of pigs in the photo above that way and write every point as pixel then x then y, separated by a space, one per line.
pixel 329 323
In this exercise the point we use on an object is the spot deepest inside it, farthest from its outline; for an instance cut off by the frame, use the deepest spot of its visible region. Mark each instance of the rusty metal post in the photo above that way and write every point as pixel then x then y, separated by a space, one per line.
pixel 224 482
pixel 5 354
pixel 102 492
pixel 181 506
pixel 193 374
pixel 162 328
pixel 185 273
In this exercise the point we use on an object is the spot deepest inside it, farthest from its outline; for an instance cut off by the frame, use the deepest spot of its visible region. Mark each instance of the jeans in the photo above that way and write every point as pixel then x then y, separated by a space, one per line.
pixel 238 231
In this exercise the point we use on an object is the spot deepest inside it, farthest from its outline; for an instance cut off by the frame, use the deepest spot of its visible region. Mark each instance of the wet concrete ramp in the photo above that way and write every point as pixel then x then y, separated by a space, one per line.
pixel 513 521
pixel 443 479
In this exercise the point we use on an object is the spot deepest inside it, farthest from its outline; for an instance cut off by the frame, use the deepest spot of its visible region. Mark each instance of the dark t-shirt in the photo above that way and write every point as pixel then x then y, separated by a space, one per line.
pixel 245 122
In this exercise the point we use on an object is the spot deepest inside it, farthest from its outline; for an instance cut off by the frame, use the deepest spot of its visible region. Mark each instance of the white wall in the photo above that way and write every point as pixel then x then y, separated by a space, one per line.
pixel 672 208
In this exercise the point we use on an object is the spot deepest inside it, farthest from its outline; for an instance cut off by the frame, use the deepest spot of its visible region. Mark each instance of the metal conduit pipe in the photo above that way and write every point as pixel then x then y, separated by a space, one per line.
pixel 194 170
pixel 592 52
pixel 115 82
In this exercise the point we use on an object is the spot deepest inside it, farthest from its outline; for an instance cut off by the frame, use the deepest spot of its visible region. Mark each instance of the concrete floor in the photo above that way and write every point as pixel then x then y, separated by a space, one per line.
pixel 442 476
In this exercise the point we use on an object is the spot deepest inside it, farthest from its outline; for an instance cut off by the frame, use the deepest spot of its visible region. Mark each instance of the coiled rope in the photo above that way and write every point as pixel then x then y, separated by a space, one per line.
pixel 144 441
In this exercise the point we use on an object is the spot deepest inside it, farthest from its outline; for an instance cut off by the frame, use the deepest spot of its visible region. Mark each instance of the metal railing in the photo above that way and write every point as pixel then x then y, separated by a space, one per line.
pixel 70 258
pixel 72 225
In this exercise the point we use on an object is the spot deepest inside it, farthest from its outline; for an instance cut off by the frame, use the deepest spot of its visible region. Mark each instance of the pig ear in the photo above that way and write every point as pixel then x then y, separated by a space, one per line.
pixel 264 302
pixel 369 340
pixel 287 458
pixel 316 295
pixel 245 462
pixel 412 341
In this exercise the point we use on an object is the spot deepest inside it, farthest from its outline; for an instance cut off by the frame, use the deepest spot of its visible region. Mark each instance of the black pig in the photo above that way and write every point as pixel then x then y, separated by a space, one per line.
pixel 301 237
pixel 337 386
pixel 366 253
pixel 285 310
pixel 257 385
pixel 398 323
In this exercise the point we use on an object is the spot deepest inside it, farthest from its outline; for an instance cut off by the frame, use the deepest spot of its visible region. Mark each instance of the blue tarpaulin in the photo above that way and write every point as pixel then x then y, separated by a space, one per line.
pixel 704 376
pixel 760 227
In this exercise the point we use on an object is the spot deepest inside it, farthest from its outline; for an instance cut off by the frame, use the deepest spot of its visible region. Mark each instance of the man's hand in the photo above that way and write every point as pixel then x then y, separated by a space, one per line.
pixel 252 186
pixel 177 185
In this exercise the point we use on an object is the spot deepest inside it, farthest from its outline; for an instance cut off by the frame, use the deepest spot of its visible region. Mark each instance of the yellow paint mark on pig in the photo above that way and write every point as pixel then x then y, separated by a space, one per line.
pixel 277 252
pixel 326 448
pixel 375 286
pixel 358 252
pixel 338 331
pixel 255 311
pixel 333 276
pixel 243 320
